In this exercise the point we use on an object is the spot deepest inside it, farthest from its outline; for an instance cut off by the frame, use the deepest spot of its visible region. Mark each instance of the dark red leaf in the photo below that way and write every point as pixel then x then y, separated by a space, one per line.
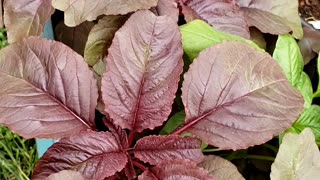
pixel 74 37
pixel 142 73
pixel 96 155
pixel 236 97
pixel 309 44
pixel 49 90
pixel 178 169
pixel 156 149
pixel 222 15
pixel 129 170
pixel 118 132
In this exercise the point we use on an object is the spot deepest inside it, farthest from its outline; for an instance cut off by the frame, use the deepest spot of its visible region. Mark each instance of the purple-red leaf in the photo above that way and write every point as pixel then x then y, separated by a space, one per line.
pixel 143 68
pixel 24 18
pixel 48 90
pixel 66 175
pixel 273 16
pixel 156 149
pixel 236 97
pixel 224 15
pixel 309 44
pixel 169 8
pixel 176 169
pixel 96 155
pixel 77 11
pixel 118 132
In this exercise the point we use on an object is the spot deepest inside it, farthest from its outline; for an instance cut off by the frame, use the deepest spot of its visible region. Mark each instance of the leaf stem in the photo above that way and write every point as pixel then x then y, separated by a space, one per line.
pixel 140 166
pixel 211 150
pixel 266 158
pixel 131 137
pixel 272 148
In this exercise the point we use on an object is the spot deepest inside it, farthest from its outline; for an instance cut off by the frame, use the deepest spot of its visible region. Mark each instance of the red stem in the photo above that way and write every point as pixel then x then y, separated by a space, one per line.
pixel 140 166
pixel 131 137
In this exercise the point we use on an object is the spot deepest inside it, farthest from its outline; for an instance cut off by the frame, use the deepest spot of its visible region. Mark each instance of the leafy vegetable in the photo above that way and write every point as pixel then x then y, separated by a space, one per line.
pixel 220 168
pixel 100 38
pixel 274 16
pixel 79 11
pixel 49 92
pixel 298 157
pixel 198 35
pixel 24 18
pixel 288 55
pixel 310 118
pixel 317 93
pixel 74 37
pixel 156 149
pixel 217 13
pixel 169 8
pixel 175 170
pixel 173 123
pixel 148 71
pixel 82 152
pixel 220 101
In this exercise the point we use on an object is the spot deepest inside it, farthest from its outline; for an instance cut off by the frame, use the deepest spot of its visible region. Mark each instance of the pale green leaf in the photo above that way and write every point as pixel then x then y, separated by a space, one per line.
pixel 305 87
pixel 298 158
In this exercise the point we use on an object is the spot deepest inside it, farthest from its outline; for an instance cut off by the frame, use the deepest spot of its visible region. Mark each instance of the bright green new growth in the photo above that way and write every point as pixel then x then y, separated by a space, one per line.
pixel 198 35
pixel 288 55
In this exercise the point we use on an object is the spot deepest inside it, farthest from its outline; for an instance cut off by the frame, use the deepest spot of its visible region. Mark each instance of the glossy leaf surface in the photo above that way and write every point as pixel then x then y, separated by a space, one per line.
pixel 66 175
pixel 49 90
pixel 143 69
pixel 223 92
pixel 96 155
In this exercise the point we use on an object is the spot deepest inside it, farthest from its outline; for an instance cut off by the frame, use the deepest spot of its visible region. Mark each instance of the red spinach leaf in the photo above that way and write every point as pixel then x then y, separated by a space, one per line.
pixel 74 37
pixel 222 15
pixel 157 149
pixel 178 169
pixel 24 18
pixel 49 90
pixel 169 8
pixel 119 133
pixel 96 155
pixel 78 11
pixel 143 69
pixel 236 97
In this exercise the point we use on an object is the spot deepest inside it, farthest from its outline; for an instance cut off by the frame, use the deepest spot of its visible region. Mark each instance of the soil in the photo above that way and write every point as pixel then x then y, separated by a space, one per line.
pixel 309 9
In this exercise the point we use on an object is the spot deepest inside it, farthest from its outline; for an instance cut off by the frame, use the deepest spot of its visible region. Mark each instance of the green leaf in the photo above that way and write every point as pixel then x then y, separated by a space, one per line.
pixel 288 55
pixel 310 118
pixel 305 87
pixel 298 158
pixel 317 93
pixel 198 35
pixel 173 123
